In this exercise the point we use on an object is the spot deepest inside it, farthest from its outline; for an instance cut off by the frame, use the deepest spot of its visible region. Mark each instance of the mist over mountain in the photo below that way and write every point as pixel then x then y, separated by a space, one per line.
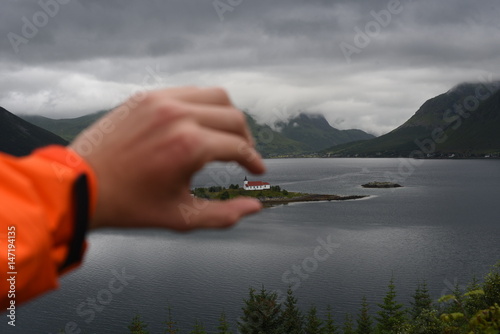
pixel 302 134
pixel 464 121
pixel 315 131
pixel 19 137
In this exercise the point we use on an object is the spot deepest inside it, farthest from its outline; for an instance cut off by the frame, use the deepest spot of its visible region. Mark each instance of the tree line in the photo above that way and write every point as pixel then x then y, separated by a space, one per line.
pixel 473 311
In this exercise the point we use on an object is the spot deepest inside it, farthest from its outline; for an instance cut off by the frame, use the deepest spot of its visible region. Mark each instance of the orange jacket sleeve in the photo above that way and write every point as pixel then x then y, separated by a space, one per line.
pixel 46 200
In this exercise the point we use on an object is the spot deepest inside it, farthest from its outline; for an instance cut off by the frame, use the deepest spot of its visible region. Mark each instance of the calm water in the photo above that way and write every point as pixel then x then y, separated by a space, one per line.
pixel 443 226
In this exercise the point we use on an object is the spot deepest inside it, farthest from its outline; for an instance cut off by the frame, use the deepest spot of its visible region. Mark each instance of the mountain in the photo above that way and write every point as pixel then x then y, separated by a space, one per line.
pixel 477 130
pixel 271 143
pixel 303 134
pixel 66 128
pixel 317 133
pixel 463 121
pixel 19 137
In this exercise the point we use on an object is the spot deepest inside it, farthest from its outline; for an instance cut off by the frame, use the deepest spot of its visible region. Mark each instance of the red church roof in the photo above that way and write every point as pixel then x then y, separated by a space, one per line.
pixel 257 183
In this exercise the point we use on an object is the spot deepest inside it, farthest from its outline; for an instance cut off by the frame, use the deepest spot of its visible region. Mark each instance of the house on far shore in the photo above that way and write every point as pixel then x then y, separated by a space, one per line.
pixel 255 185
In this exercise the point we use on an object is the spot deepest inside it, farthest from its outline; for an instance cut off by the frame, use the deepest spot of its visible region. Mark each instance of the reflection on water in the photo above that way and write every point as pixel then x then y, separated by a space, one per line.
pixel 441 227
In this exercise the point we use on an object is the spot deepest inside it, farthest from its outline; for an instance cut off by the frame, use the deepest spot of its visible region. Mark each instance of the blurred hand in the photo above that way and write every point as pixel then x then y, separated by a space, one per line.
pixel 146 151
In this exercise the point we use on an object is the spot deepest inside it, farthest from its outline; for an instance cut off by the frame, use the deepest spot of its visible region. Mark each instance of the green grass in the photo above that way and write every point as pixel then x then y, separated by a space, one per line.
pixel 227 193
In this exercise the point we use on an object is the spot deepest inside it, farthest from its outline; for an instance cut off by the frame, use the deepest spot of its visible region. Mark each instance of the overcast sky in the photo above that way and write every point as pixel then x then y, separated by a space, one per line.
pixel 363 64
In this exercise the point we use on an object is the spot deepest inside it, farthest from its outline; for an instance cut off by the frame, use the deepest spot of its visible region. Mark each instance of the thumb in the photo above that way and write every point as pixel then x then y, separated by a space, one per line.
pixel 217 214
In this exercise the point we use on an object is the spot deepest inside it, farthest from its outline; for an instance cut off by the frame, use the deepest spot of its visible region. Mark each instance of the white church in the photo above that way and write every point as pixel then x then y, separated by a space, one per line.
pixel 255 185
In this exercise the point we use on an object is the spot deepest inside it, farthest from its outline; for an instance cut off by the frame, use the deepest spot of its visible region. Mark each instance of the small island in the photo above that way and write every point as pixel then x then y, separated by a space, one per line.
pixel 381 185
pixel 269 196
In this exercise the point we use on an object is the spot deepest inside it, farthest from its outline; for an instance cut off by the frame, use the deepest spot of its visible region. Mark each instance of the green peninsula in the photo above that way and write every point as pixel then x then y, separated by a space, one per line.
pixel 269 197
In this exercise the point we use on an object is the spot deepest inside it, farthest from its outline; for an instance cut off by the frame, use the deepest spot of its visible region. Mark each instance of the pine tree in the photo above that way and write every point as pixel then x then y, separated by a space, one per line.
pixel 491 286
pixel 391 315
pixel 223 327
pixel 291 316
pixel 330 327
pixel 458 300
pixel 138 326
pixel 261 314
pixel 421 301
pixel 170 324
pixel 348 326
pixel 313 323
pixel 198 328
pixel 364 321
pixel 475 302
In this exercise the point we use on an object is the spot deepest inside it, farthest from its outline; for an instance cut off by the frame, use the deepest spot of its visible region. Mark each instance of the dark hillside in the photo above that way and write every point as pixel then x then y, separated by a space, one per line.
pixel 19 137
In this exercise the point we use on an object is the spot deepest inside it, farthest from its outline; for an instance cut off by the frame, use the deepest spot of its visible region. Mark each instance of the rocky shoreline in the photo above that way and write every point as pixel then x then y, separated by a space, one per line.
pixel 381 185
pixel 269 202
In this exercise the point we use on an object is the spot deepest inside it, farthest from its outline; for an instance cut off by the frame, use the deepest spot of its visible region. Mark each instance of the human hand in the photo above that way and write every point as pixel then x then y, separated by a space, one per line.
pixel 150 147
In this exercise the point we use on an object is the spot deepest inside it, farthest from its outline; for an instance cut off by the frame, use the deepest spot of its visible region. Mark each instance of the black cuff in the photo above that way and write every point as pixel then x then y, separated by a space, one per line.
pixel 81 200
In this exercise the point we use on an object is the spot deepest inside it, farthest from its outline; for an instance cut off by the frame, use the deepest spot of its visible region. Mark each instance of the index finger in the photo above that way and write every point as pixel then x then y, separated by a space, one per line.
pixel 210 95
pixel 222 118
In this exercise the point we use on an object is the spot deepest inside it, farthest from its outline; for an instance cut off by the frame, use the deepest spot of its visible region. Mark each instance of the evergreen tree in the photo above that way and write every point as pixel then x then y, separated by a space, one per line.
pixel 491 286
pixel 421 301
pixel 170 324
pixel 474 302
pixel 223 327
pixel 330 327
pixel 458 300
pixel 224 196
pixel 391 316
pixel 261 314
pixel 348 327
pixel 198 328
pixel 427 322
pixel 138 326
pixel 291 316
pixel 364 321
pixel 313 323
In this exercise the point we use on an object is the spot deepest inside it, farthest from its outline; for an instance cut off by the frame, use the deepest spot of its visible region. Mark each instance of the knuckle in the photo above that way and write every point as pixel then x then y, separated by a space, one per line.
pixel 167 112
pixel 187 140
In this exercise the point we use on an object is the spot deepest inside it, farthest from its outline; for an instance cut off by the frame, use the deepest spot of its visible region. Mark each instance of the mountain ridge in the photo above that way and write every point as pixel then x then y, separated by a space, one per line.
pixel 300 135
pixel 453 123
pixel 463 121
pixel 19 137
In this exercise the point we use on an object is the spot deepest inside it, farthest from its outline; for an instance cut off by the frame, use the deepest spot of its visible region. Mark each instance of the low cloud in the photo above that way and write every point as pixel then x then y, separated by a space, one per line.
pixel 275 58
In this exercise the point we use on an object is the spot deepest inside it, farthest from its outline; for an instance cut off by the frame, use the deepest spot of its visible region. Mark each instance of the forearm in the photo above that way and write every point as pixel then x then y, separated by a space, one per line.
pixel 46 199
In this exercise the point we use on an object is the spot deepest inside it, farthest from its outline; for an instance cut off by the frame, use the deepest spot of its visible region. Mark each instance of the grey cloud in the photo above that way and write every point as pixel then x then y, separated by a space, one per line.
pixel 283 54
